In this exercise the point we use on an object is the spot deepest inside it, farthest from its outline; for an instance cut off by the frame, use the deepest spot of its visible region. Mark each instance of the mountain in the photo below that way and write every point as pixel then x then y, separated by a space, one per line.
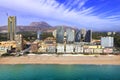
pixel 34 26
pixel 40 24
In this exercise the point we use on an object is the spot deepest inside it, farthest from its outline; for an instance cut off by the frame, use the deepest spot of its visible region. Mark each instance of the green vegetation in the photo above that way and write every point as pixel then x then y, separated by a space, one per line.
pixel 28 35
pixel 117 39
pixel 31 35
pixel 45 35
pixel 3 36
pixel 98 35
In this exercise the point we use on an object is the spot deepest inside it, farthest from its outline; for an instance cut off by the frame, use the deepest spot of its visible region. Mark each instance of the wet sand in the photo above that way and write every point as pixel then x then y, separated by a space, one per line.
pixel 62 59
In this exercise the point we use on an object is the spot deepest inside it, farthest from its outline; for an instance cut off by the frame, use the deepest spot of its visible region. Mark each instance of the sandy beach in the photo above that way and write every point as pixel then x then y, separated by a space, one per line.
pixel 62 59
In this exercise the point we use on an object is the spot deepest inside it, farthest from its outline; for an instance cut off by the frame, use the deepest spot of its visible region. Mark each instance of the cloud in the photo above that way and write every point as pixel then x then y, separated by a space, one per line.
pixel 70 12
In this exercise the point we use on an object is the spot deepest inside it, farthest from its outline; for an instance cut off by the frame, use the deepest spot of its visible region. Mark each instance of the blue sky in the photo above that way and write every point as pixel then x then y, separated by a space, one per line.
pixel 100 15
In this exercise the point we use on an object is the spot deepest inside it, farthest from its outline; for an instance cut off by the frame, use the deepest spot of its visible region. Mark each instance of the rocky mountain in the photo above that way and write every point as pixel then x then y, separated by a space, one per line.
pixel 40 24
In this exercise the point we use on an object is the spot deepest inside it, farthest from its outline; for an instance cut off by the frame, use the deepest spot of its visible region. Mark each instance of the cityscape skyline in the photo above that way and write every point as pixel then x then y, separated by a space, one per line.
pixel 90 14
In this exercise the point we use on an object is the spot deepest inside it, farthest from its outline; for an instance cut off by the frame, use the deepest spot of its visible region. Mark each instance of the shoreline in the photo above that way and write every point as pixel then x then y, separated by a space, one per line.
pixel 63 59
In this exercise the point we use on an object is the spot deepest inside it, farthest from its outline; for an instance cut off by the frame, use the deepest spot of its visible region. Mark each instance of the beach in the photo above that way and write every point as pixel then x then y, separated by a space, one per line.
pixel 63 59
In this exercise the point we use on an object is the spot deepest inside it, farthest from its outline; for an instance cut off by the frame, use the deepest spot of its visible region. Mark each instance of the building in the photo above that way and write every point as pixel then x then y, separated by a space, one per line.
pixel 50 40
pixel 48 45
pixel 60 48
pixel 109 33
pixel 88 36
pixel 107 42
pixel 70 36
pixel 69 48
pixel 19 42
pixel 11 27
pixel 38 35
pixel 60 35
pixel 113 33
pixel 6 46
pixel 54 33
pixel 83 34
pixel 42 47
pixel 34 47
pixel 77 36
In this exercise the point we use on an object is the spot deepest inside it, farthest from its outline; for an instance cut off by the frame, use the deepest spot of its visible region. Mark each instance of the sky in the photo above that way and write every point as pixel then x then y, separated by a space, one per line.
pixel 99 15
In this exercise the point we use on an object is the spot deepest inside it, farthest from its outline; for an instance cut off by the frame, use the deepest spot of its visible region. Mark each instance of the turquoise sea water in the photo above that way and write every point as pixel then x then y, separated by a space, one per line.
pixel 59 72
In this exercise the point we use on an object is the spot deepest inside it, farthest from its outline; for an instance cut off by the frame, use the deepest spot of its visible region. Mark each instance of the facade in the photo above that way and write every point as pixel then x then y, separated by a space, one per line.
pixel 88 50
pixel 42 47
pixel 60 48
pixel 107 42
pixel 19 42
pixel 78 49
pixel 51 49
pixel 88 36
pixel 11 44
pixel 6 46
pixel 34 47
pixel 54 33
pixel 11 27
pixel 60 35
pixel 77 36
pixel 38 35
pixel 98 50
pixel 70 36
pixel 69 48
pixel 83 34
pixel 107 50
pixel 50 43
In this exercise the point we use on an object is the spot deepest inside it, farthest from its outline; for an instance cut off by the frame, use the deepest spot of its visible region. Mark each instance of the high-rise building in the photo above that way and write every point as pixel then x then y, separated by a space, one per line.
pixel 83 34
pixel 107 41
pixel 38 35
pixel 11 27
pixel 60 35
pixel 54 33
pixel 70 36
pixel 77 36
pixel 88 36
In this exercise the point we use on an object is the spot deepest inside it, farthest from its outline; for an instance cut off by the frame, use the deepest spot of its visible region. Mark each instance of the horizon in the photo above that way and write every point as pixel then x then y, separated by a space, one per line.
pixel 97 15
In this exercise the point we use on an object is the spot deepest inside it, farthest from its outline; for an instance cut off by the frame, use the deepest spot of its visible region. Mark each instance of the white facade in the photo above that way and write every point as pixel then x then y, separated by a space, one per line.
pixel 69 48
pixel 4 49
pixel 78 49
pixel 107 41
pixel 60 48
pixel 88 50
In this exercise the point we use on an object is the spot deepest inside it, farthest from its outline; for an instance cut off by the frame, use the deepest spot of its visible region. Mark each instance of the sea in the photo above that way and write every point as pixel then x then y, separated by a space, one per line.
pixel 59 72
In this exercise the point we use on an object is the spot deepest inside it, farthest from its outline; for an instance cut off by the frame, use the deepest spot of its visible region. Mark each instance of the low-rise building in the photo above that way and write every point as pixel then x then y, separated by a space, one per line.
pixel 69 48
pixel 19 42
pixel 60 48
pixel 6 46
pixel 34 47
